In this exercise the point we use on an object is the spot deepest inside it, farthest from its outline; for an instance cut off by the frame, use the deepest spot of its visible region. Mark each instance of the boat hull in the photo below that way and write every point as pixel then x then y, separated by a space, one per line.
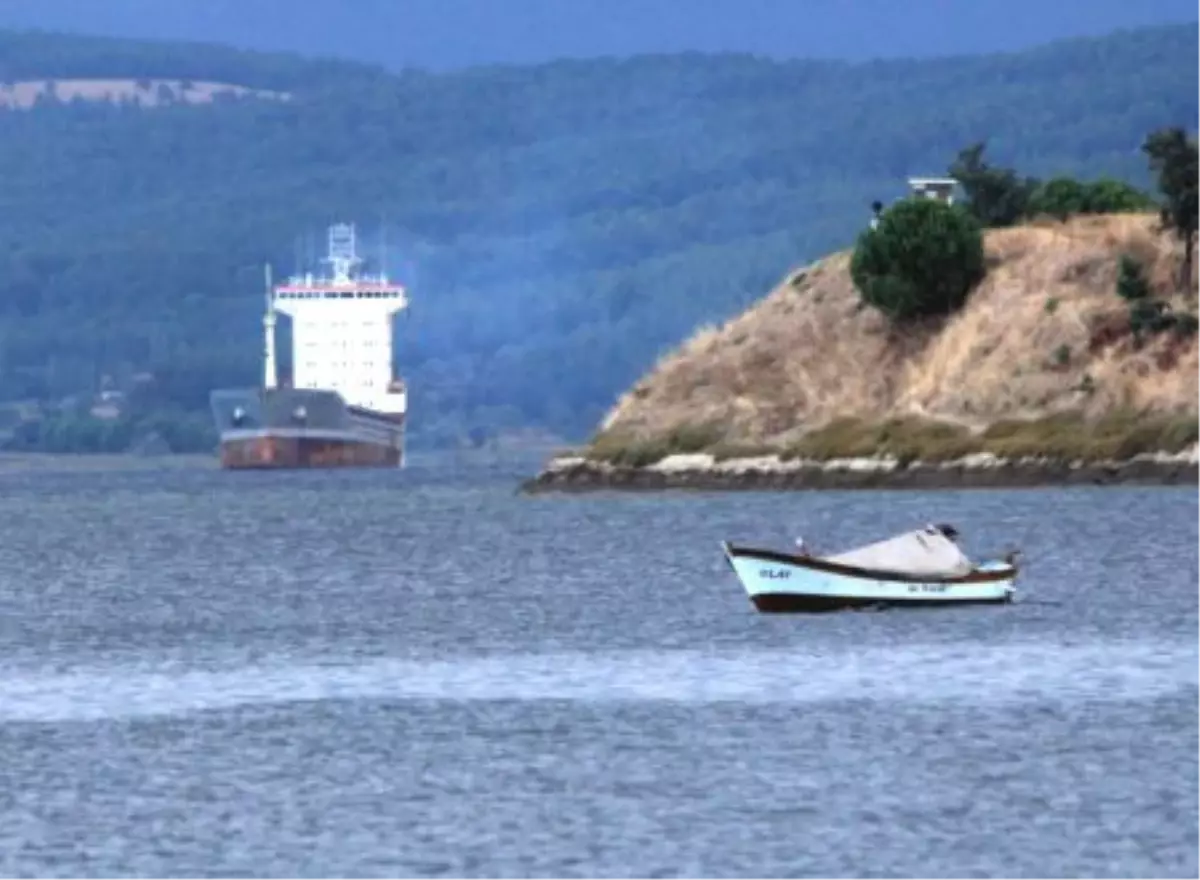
pixel 779 583
pixel 301 428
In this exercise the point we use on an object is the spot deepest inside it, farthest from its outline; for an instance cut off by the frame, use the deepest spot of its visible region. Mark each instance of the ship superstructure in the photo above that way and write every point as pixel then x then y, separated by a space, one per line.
pixel 343 406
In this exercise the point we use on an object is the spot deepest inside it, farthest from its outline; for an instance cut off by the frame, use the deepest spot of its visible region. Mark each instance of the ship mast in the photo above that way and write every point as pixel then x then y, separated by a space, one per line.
pixel 270 375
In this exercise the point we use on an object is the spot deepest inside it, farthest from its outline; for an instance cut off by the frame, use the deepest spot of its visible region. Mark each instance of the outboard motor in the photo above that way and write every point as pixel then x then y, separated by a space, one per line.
pixel 948 530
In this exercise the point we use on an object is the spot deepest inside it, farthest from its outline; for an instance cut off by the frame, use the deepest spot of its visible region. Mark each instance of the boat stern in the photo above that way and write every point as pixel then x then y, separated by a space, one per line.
pixel 1006 566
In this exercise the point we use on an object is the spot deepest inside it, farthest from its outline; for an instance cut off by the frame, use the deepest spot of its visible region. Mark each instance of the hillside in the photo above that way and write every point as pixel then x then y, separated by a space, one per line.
pixel 1044 334
pixel 560 225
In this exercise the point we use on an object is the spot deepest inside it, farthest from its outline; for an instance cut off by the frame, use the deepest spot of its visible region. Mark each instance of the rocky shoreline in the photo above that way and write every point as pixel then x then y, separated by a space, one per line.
pixel 983 471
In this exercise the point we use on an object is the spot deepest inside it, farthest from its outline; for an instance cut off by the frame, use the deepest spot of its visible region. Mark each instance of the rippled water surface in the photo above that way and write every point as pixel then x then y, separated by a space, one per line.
pixel 420 673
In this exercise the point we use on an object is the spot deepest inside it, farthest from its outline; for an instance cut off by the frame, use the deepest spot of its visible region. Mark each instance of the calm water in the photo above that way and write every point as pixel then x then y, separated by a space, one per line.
pixel 420 673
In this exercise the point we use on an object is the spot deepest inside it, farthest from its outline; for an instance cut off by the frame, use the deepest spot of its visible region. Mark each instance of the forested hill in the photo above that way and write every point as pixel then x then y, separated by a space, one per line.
pixel 27 55
pixel 561 225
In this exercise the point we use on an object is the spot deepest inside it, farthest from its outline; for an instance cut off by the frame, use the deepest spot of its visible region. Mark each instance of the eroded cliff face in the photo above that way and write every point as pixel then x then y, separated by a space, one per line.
pixel 1044 332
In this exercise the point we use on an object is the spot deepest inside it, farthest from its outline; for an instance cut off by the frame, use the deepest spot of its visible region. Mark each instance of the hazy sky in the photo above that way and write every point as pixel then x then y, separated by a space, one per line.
pixel 453 33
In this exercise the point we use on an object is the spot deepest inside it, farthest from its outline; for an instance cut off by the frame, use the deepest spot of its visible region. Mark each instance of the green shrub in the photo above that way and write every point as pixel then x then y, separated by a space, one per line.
pixel 1148 315
pixel 1072 437
pixel 624 449
pixel 726 451
pixel 1186 325
pixel 1131 280
pixel 922 259
pixel 1109 196
pixel 1060 197
pixel 1063 197
pixel 1068 436
pixel 906 439
pixel 1064 436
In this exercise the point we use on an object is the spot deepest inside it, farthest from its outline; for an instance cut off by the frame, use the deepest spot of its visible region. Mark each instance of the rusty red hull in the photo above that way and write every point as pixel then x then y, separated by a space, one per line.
pixel 305 452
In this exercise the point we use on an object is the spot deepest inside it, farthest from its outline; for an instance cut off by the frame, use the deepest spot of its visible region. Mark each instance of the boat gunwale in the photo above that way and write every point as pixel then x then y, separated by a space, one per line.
pixel 816 563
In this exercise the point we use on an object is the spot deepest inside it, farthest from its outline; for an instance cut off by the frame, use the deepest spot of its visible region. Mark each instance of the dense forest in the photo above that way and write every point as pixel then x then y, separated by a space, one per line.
pixel 560 225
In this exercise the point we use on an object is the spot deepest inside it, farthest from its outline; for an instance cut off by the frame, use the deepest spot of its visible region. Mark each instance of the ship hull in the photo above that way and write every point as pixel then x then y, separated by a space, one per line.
pixel 301 428
pixel 269 451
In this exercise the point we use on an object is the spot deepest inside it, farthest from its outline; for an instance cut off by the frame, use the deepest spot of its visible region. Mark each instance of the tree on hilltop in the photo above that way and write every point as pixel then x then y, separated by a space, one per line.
pixel 1172 157
pixel 995 196
pixel 921 259
pixel 1000 197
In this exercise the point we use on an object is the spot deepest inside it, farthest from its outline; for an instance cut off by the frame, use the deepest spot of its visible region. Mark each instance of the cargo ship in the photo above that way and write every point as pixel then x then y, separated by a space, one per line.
pixel 344 406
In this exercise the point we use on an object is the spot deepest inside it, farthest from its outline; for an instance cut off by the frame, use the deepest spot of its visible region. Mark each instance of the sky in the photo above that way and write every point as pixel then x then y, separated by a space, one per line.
pixel 448 34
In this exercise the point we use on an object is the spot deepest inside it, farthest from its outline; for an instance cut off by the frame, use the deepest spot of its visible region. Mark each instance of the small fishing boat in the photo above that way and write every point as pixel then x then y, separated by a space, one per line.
pixel 924 568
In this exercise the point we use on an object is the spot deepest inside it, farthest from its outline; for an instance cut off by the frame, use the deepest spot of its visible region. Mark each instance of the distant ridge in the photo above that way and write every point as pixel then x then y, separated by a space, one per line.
pixel 431 34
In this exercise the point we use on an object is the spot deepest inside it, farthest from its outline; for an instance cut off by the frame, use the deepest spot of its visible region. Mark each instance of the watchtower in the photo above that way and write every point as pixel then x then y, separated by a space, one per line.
pixel 940 188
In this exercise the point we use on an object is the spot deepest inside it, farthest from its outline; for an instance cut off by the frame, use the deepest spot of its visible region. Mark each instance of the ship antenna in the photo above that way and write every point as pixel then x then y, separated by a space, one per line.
pixel 270 375
pixel 383 273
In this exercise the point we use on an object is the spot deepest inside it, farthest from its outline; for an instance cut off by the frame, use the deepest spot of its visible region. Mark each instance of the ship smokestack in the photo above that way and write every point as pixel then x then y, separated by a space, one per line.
pixel 270 376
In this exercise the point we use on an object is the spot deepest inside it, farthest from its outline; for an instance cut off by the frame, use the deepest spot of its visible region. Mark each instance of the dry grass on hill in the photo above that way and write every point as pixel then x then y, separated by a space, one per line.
pixel 147 93
pixel 1044 339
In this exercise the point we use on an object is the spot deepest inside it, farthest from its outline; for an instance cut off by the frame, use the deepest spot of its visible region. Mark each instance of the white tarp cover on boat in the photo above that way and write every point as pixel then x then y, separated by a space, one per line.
pixel 924 551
